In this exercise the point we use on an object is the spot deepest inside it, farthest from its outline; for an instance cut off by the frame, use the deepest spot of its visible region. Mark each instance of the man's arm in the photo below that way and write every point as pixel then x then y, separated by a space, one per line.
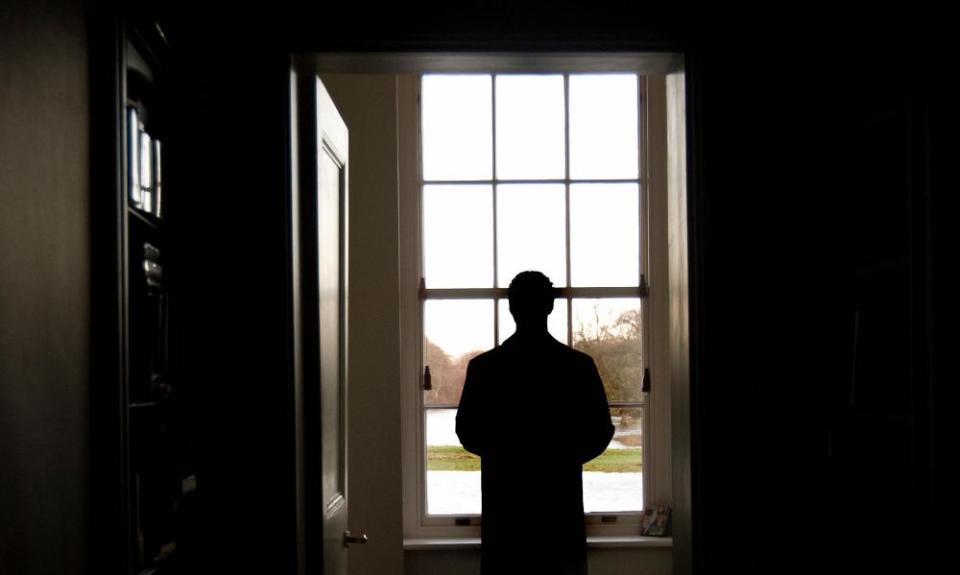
pixel 470 412
pixel 597 430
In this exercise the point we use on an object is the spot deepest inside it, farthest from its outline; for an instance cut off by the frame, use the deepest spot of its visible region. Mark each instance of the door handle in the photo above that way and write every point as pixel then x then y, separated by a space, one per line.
pixel 349 539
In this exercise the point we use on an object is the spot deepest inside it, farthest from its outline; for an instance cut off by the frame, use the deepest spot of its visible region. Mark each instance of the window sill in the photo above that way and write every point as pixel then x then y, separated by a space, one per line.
pixel 631 542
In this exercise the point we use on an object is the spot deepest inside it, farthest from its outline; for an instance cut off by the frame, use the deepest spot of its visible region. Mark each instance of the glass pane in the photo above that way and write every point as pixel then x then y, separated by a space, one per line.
pixel 614 481
pixel 453 473
pixel 457 127
pixel 603 126
pixel 556 321
pixel 610 331
pixel 455 331
pixel 531 234
pixel 604 235
pixel 458 236
pixel 530 136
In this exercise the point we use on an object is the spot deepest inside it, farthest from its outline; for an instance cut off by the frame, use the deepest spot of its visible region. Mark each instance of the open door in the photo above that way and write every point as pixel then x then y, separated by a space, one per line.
pixel 319 229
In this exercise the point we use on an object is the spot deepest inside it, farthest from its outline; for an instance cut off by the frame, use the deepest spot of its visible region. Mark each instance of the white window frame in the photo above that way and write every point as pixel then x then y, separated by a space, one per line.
pixel 656 421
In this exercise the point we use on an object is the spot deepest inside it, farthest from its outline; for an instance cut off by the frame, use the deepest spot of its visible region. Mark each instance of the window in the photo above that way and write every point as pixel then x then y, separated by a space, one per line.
pixel 534 171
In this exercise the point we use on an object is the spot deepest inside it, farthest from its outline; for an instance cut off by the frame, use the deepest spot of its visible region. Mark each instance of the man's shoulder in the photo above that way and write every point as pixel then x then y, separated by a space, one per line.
pixel 491 355
pixel 481 359
pixel 559 351
pixel 574 355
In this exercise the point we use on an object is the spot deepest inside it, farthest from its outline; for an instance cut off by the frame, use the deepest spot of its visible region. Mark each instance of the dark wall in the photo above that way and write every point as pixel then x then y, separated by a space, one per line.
pixel 775 111
pixel 44 288
pixel 777 114
pixel 228 212
pixel 815 190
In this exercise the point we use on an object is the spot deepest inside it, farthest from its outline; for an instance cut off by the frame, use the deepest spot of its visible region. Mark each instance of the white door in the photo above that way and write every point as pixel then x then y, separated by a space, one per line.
pixel 319 225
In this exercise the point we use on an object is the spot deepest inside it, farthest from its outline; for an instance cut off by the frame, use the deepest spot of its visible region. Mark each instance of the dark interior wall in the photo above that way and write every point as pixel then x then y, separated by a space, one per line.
pixel 772 110
pixel 795 182
pixel 44 287
pixel 227 202
pixel 818 185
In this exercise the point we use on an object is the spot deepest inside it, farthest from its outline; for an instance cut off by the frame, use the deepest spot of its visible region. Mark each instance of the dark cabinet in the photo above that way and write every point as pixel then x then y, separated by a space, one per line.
pixel 159 478
pixel 879 472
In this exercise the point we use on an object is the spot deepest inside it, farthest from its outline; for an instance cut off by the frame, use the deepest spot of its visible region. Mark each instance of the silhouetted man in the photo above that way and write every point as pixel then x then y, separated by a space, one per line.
pixel 535 411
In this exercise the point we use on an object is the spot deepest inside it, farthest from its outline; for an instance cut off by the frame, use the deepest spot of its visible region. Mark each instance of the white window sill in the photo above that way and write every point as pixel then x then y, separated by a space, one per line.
pixel 592 543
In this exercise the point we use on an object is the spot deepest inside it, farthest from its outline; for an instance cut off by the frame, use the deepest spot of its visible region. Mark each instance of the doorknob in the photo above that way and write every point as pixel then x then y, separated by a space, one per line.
pixel 349 539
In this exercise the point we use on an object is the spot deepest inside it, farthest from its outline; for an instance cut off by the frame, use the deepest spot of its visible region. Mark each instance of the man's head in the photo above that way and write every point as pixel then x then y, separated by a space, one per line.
pixel 531 297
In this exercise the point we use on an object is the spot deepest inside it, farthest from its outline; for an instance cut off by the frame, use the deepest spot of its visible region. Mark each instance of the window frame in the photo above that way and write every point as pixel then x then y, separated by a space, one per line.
pixel 651 290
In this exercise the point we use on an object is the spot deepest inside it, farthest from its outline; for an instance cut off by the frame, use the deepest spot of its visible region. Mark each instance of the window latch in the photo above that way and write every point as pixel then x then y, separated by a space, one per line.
pixel 427 383
pixel 646 380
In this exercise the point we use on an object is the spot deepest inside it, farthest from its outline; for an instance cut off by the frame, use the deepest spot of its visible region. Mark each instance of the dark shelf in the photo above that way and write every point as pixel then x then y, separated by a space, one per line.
pixel 157 565
pixel 157 517
pixel 145 218
pixel 903 419
pixel 883 266
pixel 140 404
pixel 148 38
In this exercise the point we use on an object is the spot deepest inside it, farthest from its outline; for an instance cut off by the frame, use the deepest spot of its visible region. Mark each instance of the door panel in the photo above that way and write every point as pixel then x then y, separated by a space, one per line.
pixel 319 206
pixel 333 456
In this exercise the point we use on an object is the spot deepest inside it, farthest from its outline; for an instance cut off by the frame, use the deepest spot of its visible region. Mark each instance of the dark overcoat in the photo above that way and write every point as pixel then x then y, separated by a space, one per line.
pixel 535 411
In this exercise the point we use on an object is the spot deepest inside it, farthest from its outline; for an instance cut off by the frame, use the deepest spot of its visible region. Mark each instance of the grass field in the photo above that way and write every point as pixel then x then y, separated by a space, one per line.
pixel 456 458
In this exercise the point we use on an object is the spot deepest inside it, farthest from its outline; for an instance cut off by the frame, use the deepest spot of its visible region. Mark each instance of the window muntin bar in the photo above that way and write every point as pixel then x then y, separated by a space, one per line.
pixel 491 182
pixel 561 292
pixel 611 404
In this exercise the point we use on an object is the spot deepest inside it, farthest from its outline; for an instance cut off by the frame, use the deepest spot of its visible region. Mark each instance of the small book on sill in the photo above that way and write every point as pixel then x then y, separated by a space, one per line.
pixel 655 521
